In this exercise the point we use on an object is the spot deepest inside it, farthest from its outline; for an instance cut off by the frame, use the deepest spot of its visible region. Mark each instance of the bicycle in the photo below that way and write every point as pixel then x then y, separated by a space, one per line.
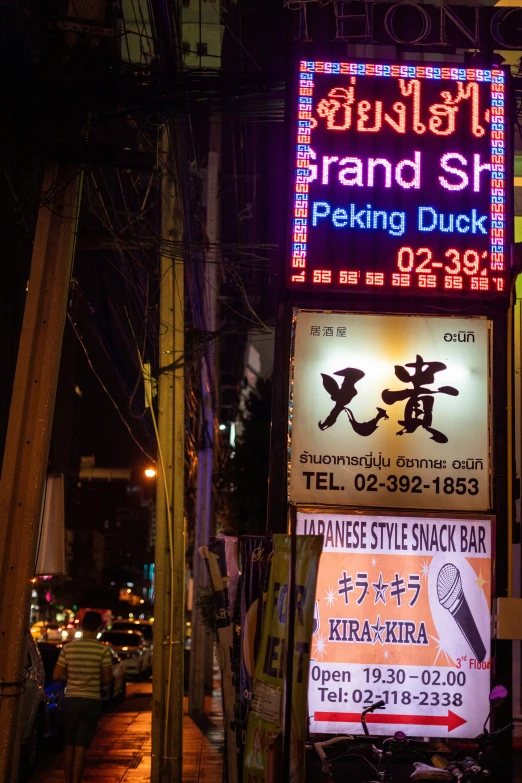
pixel 471 767
pixel 383 754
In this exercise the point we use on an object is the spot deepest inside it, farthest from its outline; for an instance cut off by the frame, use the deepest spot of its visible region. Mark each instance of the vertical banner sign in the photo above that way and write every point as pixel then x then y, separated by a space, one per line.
pixel 265 718
pixel 399 179
pixel 390 411
pixel 215 559
pixel 404 618
pixel 256 556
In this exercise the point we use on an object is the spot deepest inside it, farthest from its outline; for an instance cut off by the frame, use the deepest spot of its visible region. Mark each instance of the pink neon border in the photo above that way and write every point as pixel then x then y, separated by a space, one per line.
pixel 307 70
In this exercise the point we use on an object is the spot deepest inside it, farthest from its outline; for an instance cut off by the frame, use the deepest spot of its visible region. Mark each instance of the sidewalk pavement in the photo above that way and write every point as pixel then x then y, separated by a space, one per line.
pixel 120 752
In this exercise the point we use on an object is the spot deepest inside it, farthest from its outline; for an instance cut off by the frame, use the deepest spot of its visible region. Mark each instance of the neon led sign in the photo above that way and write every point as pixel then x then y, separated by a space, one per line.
pixel 400 178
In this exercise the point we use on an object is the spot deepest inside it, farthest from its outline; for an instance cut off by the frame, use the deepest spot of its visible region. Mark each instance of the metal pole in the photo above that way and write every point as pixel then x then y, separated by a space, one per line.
pixel 28 435
pixel 510 383
pixel 169 611
pixel 517 571
pixel 200 639
pixel 501 500
pixel 288 682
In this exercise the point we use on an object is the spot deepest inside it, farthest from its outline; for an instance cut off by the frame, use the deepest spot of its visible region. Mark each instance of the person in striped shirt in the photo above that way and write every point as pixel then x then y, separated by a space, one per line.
pixel 85 664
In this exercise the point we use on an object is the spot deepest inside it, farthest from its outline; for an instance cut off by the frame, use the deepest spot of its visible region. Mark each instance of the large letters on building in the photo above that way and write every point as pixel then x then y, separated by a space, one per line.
pixel 424 28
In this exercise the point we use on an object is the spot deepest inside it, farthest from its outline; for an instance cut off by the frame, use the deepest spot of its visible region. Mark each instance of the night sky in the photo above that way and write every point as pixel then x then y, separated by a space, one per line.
pixel 101 431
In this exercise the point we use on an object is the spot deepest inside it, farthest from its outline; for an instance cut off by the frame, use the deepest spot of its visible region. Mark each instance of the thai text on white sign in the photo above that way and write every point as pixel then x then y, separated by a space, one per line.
pixel 390 411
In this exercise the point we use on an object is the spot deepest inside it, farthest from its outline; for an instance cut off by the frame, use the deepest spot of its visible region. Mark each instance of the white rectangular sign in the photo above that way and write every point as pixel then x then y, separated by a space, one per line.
pixel 402 614
pixel 390 411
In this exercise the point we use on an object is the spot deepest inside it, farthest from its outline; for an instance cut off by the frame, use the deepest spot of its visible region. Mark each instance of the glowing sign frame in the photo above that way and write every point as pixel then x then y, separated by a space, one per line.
pixel 499 229
pixel 357 560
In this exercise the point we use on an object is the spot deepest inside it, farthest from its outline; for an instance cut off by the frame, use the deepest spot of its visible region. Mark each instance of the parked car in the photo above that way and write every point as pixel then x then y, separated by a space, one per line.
pixel 54 689
pixel 132 649
pixel 117 689
pixel 144 627
pixel 69 632
pixel 31 715
pixel 50 632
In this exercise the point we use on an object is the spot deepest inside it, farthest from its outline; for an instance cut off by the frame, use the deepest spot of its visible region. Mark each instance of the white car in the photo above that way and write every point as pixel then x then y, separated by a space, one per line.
pixel 144 627
pixel 131 648
pixel 117 688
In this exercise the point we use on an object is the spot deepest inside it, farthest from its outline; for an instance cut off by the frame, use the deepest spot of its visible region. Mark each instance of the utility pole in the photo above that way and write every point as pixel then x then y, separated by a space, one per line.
pixel 24 467
pixel 200 639
pixel 169 610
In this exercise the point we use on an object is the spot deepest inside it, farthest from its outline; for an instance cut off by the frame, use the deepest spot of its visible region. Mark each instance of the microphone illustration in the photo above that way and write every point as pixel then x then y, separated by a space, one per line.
pixel 317 621
pixel 451 597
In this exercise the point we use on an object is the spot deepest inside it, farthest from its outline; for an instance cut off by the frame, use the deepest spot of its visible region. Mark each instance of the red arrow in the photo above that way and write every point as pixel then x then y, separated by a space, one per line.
pixel 451 720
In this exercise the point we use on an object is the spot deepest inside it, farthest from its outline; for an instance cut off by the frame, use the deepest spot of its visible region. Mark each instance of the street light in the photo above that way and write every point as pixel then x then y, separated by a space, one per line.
pixel 150 472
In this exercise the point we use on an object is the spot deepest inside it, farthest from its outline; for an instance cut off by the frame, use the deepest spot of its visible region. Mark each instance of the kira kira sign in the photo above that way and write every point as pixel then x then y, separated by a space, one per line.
pixel 389 411
pixel 399 179
pixel 402 614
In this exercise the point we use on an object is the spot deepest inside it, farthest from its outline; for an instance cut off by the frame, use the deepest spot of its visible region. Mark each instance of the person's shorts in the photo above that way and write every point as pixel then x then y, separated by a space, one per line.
pixel 80 719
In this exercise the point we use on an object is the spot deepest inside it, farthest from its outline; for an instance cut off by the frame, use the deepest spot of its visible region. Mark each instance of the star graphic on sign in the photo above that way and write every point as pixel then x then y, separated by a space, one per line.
pixel 480 581
pixel 374 561
pixel 440 650
pixel 331 596
pixel 425 569
pixel 380 589
pixel 320 646
pixel 386 654
pixel 378 630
